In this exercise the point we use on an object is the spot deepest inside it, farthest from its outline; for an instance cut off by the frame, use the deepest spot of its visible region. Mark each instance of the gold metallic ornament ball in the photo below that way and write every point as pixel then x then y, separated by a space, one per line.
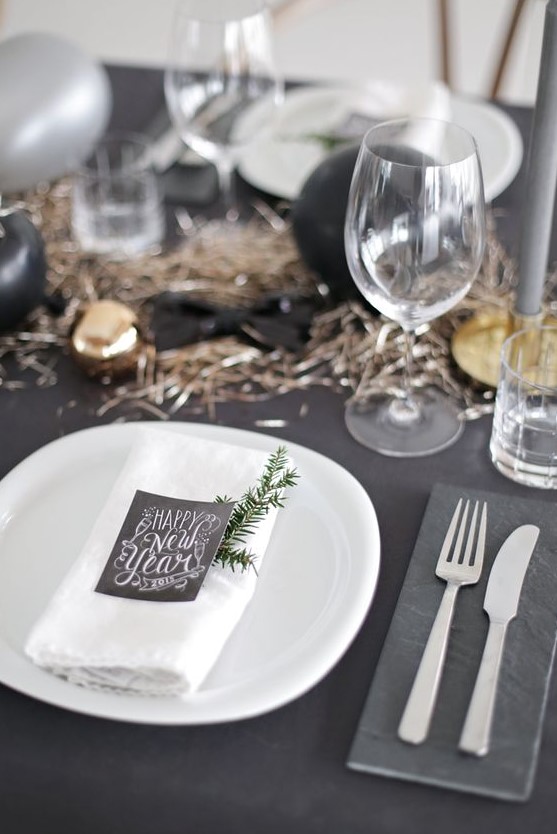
pixel 106 339
pixel 476 345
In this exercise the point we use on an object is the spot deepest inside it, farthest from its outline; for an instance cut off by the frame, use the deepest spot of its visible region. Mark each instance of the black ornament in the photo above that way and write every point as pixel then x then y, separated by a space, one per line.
pixel 318 221
pixel 22 269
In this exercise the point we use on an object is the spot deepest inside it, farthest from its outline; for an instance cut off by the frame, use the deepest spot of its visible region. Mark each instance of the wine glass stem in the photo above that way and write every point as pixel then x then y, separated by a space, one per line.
pixel 405 410
pixel 227 189
pixel 408 370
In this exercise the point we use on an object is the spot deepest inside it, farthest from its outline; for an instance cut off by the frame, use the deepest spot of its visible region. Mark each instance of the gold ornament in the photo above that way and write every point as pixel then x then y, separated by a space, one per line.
pixel 106 340
pixel 476 345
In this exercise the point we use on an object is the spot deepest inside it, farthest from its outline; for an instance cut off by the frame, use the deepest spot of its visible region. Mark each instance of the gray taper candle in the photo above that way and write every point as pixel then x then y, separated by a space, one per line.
pixel 542 177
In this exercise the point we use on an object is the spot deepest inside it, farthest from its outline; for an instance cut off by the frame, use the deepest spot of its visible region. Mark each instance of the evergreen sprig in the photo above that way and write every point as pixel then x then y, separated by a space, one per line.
pixel 252 508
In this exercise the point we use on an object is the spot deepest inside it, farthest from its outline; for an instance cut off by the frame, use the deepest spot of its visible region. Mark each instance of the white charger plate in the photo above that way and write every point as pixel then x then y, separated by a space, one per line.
pixel 280 165
pixel 314 590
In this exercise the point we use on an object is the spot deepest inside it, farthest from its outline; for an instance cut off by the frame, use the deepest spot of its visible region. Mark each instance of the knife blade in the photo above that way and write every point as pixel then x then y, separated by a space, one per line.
pixel 501 605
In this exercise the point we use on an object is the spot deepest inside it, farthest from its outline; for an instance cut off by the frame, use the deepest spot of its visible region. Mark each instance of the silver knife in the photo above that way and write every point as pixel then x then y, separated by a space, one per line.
pixel 501 604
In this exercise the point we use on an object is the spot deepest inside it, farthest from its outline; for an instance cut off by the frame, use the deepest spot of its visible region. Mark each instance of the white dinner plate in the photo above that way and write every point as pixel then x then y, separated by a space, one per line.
pixel 280 164
pixel 314 590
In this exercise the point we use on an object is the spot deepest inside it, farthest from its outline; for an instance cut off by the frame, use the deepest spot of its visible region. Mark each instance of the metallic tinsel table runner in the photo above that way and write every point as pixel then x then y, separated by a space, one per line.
pixel 350 347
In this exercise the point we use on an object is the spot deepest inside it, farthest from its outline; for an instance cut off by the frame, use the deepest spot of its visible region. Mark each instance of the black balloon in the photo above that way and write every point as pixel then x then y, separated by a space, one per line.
pixel 22 269
pixel 318 221
pixel 319 212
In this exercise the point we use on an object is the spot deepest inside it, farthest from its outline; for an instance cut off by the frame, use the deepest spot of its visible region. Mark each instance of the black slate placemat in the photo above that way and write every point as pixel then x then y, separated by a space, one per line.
pixel 508 770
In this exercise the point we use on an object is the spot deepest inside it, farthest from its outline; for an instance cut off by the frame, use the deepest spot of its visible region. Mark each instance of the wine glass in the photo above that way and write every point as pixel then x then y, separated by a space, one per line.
pixel 414 239
pixel 221 64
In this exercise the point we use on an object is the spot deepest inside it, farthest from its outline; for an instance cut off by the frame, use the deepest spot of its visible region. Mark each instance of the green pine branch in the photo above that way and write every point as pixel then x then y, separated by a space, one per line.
pixel 252 508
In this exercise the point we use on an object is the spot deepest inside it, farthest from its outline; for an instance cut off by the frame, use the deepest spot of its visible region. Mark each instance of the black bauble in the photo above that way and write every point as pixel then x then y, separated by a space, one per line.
pixel 318 221
pixel 22 269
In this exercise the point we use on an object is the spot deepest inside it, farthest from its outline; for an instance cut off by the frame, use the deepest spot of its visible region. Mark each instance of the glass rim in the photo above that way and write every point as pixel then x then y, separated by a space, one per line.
pixel 419 120
pixel 517 375
pixel 134 139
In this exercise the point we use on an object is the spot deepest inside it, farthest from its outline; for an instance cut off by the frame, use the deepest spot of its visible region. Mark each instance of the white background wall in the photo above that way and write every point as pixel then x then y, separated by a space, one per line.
pixel 345 39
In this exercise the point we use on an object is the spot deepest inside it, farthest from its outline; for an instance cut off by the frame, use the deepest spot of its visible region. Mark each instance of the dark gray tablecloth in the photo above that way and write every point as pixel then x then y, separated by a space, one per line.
pixel 284 771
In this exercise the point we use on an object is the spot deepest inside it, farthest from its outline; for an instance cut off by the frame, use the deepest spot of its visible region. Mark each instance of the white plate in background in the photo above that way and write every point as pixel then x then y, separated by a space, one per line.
pixel 280 164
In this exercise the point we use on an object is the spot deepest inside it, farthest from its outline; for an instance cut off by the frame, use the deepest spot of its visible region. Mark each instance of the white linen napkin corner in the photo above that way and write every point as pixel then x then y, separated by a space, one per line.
pixel 141 646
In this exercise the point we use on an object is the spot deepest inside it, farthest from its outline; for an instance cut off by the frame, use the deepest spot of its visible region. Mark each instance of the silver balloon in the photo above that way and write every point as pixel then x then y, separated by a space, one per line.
pixel 56 103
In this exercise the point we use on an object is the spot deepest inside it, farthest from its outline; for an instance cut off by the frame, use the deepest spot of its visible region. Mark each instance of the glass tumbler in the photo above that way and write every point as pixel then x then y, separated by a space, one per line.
pixel 523 443
pixel 116 203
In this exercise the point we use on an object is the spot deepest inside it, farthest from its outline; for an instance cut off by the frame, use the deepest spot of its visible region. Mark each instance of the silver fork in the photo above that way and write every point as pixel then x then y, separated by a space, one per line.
pixel 414 725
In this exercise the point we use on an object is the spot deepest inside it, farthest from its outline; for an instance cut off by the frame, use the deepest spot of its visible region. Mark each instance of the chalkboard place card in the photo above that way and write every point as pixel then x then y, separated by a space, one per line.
pixel 508 771
pixel 164 548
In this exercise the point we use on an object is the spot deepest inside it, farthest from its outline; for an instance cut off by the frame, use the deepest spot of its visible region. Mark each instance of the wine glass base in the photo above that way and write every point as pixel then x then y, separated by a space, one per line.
pixel 437 426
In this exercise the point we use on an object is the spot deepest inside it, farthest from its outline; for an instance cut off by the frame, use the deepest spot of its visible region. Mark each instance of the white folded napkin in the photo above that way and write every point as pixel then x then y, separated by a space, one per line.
pixel 429 104
pixel 143 646
pixel 385 100
pixel 347 112
pixel 311 116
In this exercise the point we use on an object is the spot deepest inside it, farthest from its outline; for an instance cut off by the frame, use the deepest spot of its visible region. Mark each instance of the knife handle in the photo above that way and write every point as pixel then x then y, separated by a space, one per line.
pixel 414 725
pixel 477 726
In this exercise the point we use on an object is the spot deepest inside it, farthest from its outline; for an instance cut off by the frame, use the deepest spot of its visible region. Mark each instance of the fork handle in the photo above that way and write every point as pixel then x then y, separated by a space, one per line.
pixel 414 725
pixel 477 726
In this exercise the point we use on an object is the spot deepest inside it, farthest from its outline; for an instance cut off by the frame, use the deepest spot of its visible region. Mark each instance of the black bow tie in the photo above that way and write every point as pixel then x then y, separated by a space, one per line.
pixel 275 321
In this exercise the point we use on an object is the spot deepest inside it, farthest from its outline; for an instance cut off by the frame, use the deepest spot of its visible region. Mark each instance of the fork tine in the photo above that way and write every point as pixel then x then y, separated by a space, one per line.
pixel 449 535
pixel 470 540
pixel 480 546
pixel 460 536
